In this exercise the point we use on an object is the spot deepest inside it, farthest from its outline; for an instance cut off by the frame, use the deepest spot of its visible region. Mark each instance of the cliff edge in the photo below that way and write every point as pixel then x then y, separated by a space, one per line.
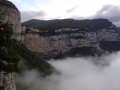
pixel 67 35
pixel 10 13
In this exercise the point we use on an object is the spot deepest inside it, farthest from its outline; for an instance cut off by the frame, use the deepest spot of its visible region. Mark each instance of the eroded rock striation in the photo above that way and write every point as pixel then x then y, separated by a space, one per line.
pixel 51 44
pixel 9 13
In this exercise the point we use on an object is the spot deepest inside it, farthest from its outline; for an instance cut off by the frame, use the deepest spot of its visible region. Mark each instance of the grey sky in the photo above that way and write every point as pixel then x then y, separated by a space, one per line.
pixel 27 15
pixel 77 9
pixel 110 12
pixel 72 9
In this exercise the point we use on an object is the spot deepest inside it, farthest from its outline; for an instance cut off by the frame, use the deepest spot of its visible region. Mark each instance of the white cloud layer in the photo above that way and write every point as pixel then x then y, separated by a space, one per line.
pixel 85 73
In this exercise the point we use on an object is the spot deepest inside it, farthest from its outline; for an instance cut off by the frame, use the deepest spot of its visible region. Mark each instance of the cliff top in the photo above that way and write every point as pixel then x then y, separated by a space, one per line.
pixel 68 23
pixel 7 3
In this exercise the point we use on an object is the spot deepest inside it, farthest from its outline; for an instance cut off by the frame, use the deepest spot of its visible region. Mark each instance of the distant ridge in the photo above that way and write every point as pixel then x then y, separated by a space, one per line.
pixel 65 23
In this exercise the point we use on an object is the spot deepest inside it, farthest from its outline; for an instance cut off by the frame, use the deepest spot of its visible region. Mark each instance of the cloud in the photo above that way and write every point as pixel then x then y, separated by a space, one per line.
pixel 72 9
pixel 69 8
pixel 110 12
pixel 84 73
pixel 27 15
pixel 76 17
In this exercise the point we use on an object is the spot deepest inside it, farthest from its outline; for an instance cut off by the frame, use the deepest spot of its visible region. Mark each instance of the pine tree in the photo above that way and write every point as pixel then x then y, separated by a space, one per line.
pixel 8 56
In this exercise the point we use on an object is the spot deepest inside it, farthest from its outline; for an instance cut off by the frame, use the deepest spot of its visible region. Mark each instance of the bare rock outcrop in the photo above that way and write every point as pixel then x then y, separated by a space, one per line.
pixel 65 39
pixel 9 13
pixel 7 81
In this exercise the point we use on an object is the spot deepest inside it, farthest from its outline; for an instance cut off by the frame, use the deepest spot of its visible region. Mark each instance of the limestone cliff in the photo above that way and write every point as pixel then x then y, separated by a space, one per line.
pixel 9 13
pixel 7 81
pixel 63 40
pixel 52 43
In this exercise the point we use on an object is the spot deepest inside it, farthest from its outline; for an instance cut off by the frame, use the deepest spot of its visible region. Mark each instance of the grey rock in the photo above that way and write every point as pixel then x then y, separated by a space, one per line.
pixel 7 81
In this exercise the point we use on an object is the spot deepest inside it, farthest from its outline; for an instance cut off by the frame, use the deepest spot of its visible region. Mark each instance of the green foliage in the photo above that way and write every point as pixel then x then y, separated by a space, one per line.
pixel 8 56
pixel 32 60
pixel 10 50
pixel 68 23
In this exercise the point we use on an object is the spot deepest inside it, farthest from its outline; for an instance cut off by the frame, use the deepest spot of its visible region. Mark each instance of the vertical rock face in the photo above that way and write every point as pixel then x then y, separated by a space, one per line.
pixel 7 81
pixel 52 45
pixel 110 34
pixel 65 39
pixel 9 13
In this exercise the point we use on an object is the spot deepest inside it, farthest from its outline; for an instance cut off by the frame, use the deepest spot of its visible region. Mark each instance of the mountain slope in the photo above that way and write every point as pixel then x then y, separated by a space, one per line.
pixel 32 61
pixel 65 23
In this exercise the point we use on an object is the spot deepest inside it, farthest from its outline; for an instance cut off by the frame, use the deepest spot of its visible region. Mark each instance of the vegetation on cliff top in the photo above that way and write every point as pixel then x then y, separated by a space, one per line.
pixel 68 23
pixel 32 61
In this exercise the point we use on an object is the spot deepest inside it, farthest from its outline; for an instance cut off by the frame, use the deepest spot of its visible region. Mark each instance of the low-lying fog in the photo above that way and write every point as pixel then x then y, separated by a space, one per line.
pixel 84 73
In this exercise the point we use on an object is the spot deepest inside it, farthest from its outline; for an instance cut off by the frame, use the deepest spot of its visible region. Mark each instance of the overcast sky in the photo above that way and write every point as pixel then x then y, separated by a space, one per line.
pixel 76 9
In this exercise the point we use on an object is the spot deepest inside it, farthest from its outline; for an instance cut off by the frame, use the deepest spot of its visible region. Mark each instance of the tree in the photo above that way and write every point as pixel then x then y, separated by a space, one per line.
pixel 8 56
